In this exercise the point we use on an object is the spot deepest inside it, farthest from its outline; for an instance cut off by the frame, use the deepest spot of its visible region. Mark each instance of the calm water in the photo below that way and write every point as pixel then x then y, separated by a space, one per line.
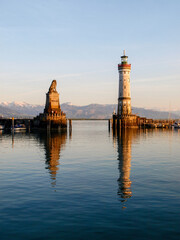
pixel 90 184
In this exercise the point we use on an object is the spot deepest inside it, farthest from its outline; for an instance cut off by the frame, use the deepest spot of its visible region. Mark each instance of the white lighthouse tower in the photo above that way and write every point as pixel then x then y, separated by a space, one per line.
pixel 124 98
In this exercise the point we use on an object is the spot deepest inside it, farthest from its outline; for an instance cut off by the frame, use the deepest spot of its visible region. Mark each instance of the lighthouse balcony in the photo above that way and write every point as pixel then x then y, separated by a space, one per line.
pixel 124 65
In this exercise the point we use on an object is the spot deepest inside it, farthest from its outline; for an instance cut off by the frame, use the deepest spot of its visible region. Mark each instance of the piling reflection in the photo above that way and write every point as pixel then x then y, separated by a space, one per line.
pixel 124 142
pixel 53 144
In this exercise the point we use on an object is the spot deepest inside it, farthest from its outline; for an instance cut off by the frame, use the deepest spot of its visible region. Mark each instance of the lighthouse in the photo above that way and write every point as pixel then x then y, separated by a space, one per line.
pixel 124 97
pixel 124 117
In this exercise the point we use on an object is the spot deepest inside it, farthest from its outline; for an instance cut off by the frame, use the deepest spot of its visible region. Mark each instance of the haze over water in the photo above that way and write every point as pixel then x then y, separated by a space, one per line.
pixel 90 184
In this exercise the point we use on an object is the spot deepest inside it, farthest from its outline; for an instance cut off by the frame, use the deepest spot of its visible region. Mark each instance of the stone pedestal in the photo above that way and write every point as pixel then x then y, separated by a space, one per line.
pixel 53 117
pixel 52 103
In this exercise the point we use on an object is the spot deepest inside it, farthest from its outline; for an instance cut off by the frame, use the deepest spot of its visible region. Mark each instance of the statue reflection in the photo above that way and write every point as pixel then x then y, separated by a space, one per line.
pixel 124 141
pixel 53 144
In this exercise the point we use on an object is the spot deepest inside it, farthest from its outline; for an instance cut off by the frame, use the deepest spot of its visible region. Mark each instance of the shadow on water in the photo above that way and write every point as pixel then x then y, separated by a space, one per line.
pixel 53 144
pixel 124 142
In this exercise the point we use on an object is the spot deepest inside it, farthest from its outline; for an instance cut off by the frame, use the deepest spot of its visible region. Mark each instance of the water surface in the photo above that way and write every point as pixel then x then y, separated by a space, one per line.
pixel 89 184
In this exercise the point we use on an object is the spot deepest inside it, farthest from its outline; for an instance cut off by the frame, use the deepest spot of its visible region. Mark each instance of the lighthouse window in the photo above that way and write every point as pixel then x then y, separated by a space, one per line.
pixel 124 87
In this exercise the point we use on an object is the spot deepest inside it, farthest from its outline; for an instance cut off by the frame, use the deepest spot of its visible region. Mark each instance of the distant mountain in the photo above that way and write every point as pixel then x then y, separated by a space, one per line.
pixel 97 111
pixel 176 113
pixel 7 112
pixel 150 113
pixel 21 109
pixel 101 111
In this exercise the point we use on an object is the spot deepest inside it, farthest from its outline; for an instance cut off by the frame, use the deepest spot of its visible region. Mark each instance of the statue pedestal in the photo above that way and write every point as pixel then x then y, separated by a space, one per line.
pixel 53 117
pixel 52 103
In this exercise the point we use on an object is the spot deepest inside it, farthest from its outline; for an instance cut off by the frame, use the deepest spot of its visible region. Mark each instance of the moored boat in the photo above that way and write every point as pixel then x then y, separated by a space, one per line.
pixel 176 125
pixel 19 128
pixel 1 127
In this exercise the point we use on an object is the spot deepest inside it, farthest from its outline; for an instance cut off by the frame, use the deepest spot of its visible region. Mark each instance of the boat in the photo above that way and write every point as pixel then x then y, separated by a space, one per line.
pixel 1 127
pixel 19 128
pixel 176 125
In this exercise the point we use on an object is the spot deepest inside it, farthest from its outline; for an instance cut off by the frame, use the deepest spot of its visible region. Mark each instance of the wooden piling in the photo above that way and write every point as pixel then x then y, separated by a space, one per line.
pixel 59 129
pixel 70 124
pixel 109 124
pixel 29 126
pixel 49 125
pixel 118 125
pixel 13 124
pixel 114 125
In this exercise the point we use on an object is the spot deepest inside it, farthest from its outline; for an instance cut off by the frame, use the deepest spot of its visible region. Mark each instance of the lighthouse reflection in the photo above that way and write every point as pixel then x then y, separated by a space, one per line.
pixel 53 144
pixel 124 142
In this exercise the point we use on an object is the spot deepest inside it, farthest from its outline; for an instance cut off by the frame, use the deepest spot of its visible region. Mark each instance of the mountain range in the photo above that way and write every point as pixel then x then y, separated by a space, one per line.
pixel 91 111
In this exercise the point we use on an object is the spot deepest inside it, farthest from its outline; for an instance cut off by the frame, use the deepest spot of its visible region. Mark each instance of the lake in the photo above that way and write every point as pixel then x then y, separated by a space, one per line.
pixel 90 184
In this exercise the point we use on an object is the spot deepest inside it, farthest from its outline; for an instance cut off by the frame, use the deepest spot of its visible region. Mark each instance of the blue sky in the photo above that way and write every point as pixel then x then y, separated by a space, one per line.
pixel 79 43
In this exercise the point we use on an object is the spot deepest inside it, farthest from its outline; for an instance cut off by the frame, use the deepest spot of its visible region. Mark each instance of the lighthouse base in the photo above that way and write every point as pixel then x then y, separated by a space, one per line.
pixel 125 121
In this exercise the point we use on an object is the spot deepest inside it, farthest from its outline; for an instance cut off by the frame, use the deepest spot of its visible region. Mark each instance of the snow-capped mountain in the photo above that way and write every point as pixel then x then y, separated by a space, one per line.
pixel 21 108
pixel 97 111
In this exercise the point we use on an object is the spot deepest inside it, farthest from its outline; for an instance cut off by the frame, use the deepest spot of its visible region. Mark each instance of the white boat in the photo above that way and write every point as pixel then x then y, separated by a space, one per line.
pixel 1 127
pixel 19 128
pixel 176 125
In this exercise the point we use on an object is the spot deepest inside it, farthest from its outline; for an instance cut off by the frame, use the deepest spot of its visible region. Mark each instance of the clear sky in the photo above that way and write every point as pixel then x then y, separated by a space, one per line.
pixel 79 43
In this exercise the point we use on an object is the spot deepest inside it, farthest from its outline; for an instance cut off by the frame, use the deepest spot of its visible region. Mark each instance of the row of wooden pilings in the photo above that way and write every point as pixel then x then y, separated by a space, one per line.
pixel 10 123
pixel 115 124
pixel 49 125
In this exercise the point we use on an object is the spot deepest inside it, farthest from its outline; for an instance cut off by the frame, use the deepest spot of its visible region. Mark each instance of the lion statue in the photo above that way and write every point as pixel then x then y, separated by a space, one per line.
pixel 53 86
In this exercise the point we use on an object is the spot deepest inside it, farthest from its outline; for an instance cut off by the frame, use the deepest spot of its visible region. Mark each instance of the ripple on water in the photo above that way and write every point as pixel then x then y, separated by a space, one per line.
pixel 90 185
